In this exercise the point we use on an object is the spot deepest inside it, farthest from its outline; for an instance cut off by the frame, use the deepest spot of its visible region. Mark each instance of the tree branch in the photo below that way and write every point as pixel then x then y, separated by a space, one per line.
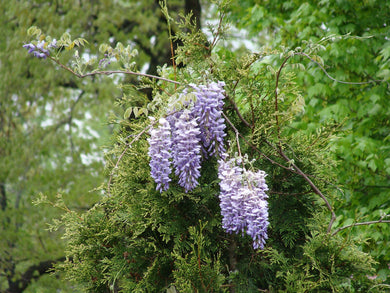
pixel 362 224
pixel 3 196
pixel 332 78
pixel 32 273
pixel 109 72
pixel 312 185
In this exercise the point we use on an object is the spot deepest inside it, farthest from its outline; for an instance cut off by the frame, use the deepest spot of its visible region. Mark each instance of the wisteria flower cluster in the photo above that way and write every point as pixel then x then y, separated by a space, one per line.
pixel 243 200
pixel 185 137
pixel 208 108
pixel 41 49
pixel 198 127
pixel 186 154
pixel 160 143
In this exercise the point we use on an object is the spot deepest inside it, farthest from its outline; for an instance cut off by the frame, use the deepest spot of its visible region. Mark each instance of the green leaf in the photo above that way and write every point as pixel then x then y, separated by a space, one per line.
pixel 372 165
pixel 127 113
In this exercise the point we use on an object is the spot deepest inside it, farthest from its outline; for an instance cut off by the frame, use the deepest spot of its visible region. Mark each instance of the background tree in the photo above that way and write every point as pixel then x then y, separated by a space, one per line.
pixel 357 103
pixel 53 125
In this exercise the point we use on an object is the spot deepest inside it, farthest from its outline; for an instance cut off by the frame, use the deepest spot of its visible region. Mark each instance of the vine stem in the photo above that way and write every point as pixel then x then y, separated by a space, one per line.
pixel 109 72
pixel 315 189
pixel 276 99
pixel 288 160
pixel 251 145
pixel 362 224
pixel 170 38
pixel 332 78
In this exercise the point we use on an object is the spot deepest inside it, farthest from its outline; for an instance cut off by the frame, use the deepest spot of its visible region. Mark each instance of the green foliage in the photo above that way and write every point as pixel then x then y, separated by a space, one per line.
pixel 53 125
pixel 135 239
pixel 197 271
pixel 354 51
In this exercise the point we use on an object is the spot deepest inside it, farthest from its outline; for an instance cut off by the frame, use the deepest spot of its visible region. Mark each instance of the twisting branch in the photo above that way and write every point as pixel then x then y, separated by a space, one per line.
pixel 276 98
pixel 362 224
pixel 287 159
pixel 315 189
pixel 332 78
pixel 238 112
pixel 109 72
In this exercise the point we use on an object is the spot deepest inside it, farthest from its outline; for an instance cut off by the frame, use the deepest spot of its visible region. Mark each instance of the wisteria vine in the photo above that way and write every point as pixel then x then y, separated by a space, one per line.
pixel 198 131
pixel 182 139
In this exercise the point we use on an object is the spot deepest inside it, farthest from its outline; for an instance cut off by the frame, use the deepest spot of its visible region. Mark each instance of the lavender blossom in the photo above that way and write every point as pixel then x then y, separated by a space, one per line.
pixel 160 145
pixel 208 107
pixel 53 44
pixel 230 197
pixel 243 201
pixel 186 151
pixel 38 50
pixel 256 207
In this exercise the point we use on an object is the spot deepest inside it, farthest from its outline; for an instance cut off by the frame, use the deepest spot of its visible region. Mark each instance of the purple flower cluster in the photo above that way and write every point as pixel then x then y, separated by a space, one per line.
pixel 208 108
pixel 40 50
pixel 105 61
pixel 198 126
pixel 160 143
pixel 243 201
pixel 186 152
pixel 180 138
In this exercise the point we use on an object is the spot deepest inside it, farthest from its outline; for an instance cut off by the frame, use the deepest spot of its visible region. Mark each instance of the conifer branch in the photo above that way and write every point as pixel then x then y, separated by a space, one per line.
pixel 128 145
pixel 363 224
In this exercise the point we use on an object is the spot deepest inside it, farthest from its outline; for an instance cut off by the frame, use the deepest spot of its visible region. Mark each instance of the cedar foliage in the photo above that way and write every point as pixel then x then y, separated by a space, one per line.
pixel 138 240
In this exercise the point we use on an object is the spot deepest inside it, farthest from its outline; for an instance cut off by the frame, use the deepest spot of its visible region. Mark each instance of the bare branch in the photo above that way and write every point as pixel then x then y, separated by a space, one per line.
pixel 312 185
pixel 362 224
pixel 276 98
pixel 332 78
pixel 109 72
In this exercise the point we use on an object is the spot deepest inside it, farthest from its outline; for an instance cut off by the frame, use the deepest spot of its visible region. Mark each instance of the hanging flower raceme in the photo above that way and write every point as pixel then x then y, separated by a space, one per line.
pixel 230 197
pixel 160 145
pixel 199 125
pixel 208 108
pixel 186 150
pixel 243 201
pixel 256 207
